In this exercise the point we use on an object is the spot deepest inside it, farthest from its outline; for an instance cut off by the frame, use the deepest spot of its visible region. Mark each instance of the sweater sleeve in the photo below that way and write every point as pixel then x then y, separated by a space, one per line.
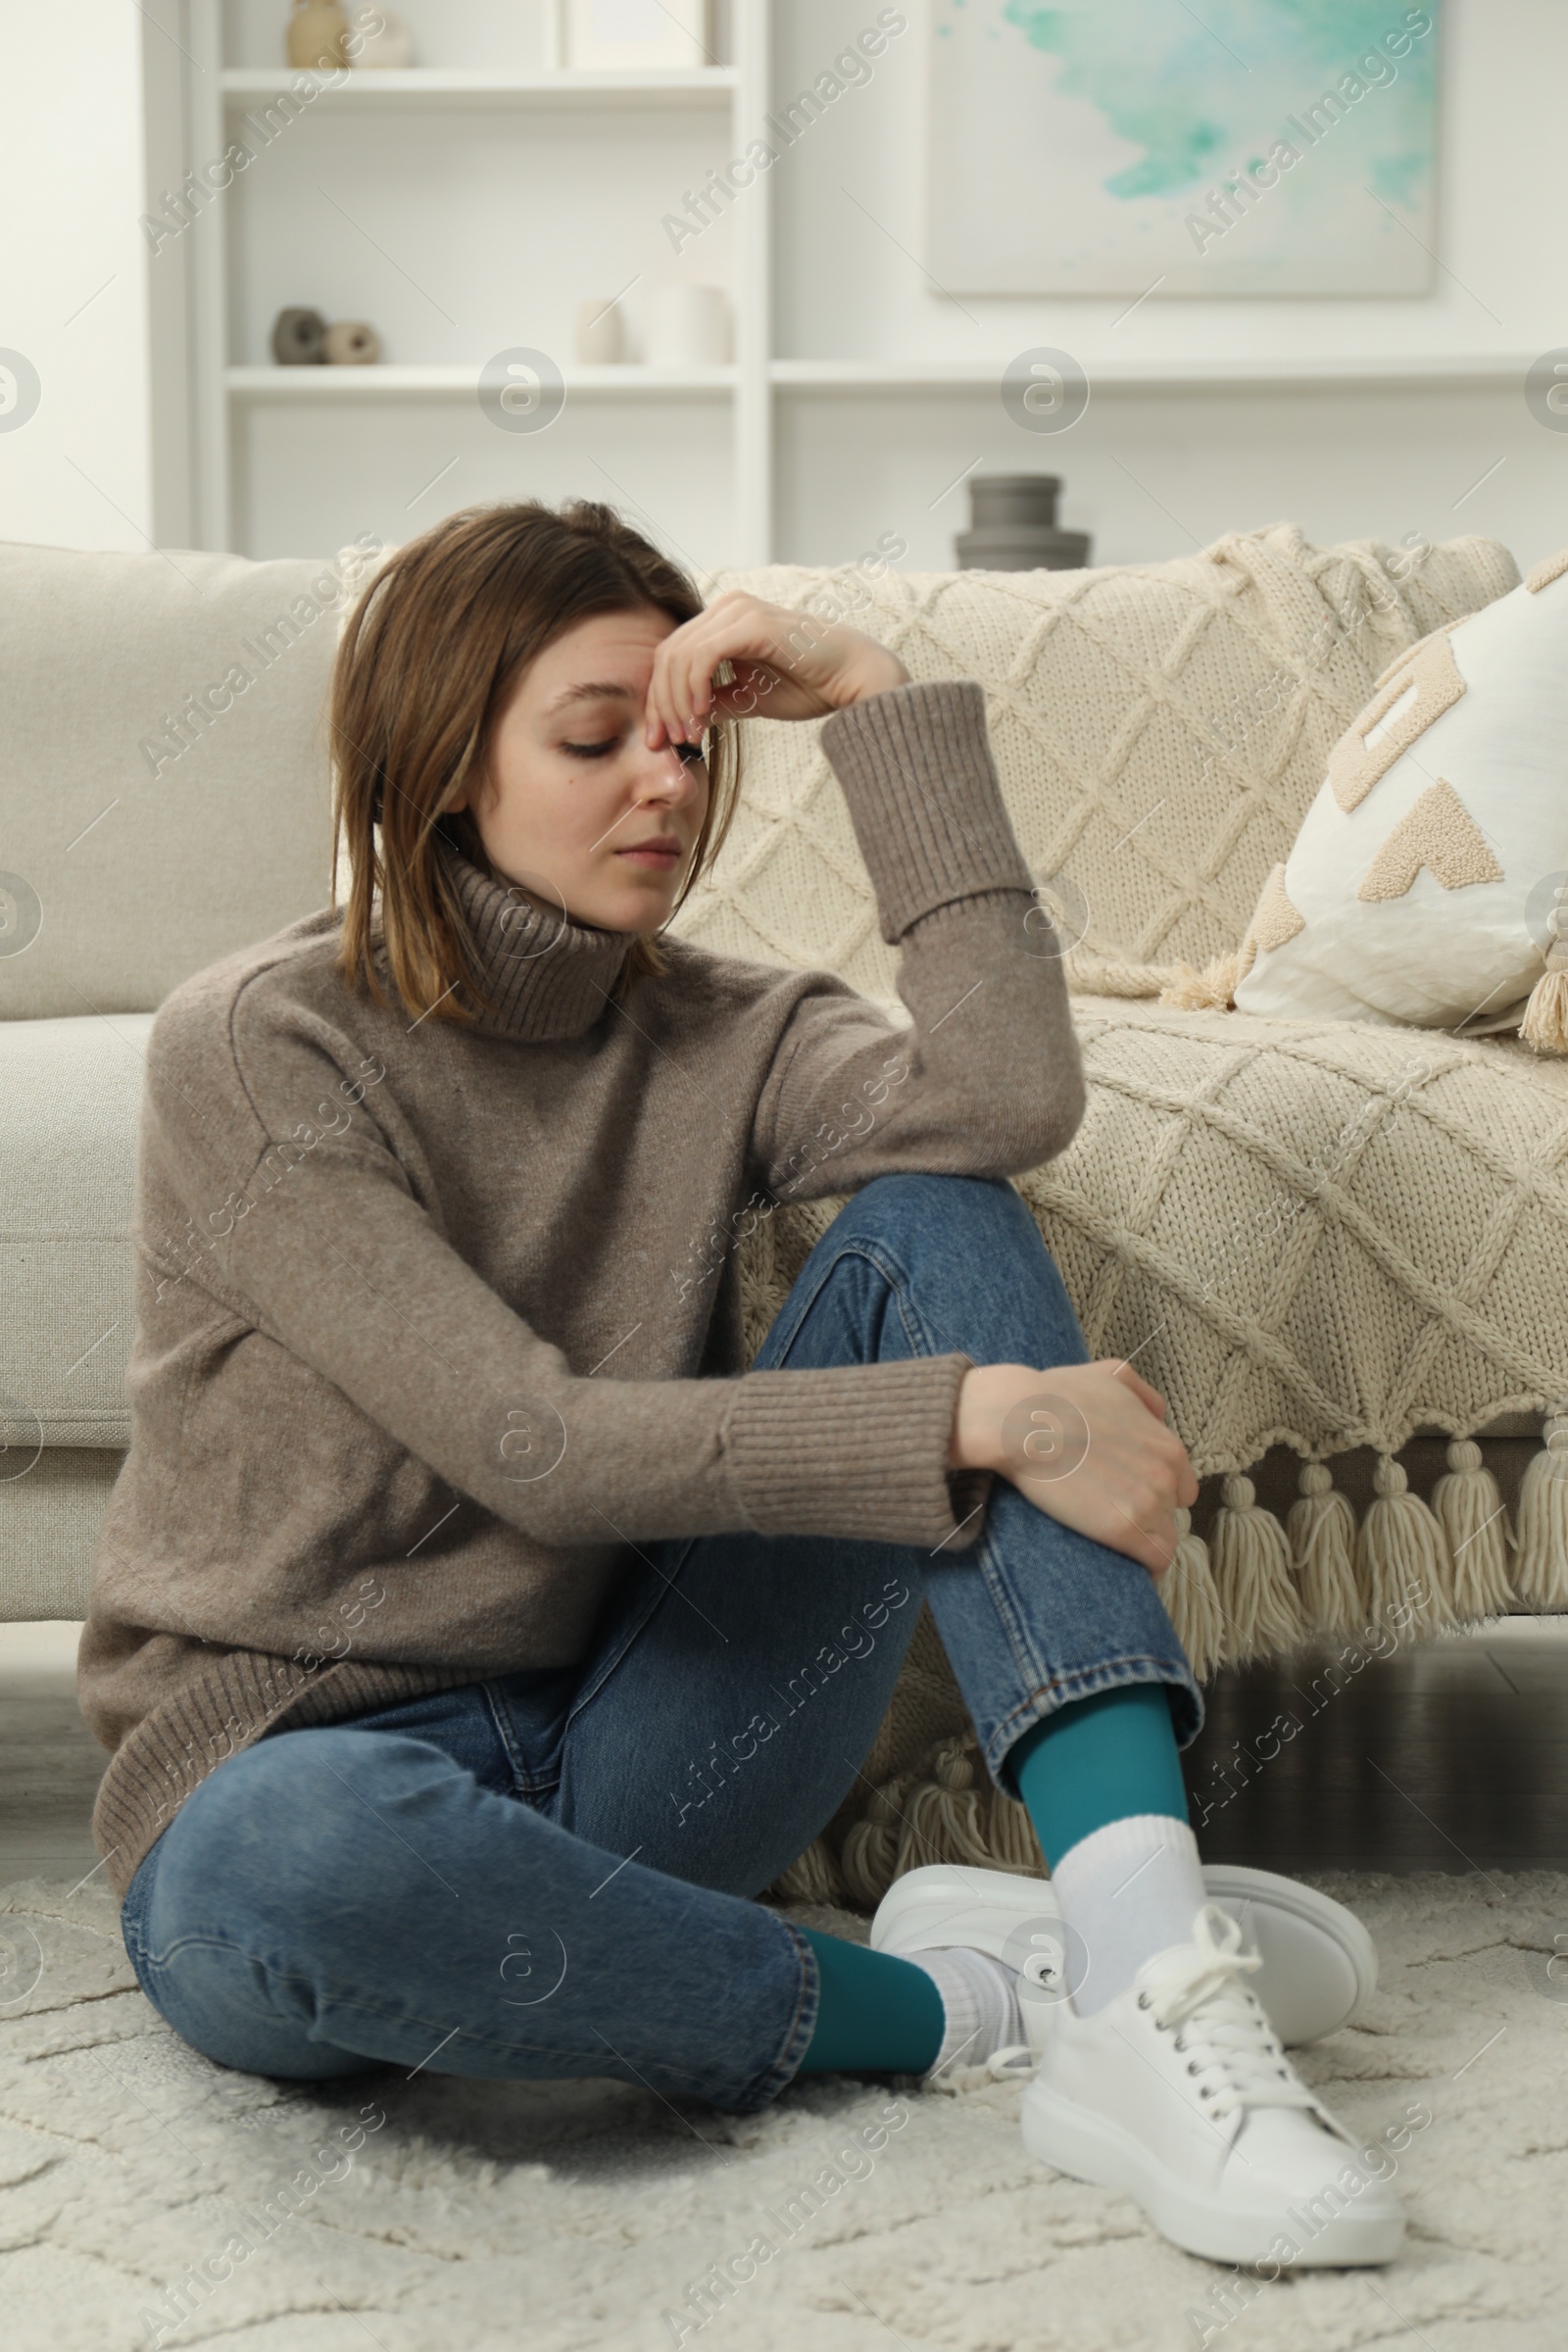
pixel 311 1237
pixel 988 1080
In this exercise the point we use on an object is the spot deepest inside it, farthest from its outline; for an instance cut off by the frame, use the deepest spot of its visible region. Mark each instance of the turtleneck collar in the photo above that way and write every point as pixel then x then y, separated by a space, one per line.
pixel 549 977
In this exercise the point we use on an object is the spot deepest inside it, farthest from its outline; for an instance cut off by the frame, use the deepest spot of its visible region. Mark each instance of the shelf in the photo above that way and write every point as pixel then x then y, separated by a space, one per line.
pixel 389 382
pixel 389 90
pixel 1123 375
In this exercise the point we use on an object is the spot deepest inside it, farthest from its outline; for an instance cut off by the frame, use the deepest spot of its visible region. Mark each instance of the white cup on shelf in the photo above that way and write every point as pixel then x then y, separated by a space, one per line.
pixel 385 43
pixel 601 339
pixel 688 326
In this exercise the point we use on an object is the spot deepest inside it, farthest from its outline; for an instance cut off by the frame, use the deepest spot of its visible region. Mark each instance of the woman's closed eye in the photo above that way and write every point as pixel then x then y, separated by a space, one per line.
pixel 685 751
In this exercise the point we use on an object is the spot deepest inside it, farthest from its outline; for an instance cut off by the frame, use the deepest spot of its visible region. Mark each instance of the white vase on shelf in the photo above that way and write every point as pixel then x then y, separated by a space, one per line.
pixel 636 35
pixel 601 337
pixel 379 40
pixel 689 326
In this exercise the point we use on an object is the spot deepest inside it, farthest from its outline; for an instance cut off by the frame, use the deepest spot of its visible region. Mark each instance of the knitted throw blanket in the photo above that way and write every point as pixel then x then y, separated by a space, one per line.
pixel 1325 1234
pixel 1159 729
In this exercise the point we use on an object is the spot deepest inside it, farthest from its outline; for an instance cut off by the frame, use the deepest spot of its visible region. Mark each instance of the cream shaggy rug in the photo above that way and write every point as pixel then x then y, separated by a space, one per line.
pixel 434 2214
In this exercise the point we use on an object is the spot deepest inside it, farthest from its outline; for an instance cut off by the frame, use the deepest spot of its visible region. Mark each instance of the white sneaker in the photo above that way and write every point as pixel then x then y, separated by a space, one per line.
pixel 1178 2095
pixel 1318 1965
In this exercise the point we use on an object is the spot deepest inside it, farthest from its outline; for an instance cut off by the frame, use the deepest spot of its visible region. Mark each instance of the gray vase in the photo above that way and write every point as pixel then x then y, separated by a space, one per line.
pixel 298 338
pixel 1013 526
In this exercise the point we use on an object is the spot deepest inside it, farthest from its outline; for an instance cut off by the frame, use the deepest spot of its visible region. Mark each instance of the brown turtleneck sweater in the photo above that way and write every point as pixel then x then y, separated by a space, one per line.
pixel 434 1323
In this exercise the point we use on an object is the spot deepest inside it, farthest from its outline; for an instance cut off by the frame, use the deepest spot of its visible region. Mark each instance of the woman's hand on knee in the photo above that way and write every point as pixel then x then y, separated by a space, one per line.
pixel 1088 1444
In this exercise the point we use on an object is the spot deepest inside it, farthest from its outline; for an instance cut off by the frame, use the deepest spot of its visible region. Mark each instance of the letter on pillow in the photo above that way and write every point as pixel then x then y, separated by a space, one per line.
pixel 1421 689
pixel 1438 832
pixel 1550 569
pixel 1275 920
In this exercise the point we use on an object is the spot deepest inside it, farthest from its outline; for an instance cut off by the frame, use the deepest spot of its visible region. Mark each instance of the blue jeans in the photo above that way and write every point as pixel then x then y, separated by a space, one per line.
pixel 547 1873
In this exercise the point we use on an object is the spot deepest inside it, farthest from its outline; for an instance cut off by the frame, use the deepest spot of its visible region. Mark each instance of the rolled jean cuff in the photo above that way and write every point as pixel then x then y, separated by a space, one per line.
pixel 766 2087
pixel 1087 1681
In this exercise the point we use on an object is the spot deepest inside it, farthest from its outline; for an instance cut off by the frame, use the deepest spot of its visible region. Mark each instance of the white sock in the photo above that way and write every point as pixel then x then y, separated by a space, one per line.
pixel 980 1999
pixel 1126 1891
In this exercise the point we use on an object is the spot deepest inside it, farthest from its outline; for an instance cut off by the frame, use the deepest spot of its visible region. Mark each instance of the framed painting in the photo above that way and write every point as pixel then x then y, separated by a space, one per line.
pixel 1111 147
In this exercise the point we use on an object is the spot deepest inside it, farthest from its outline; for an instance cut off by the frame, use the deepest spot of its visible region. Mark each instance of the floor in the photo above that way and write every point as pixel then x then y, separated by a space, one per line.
pixel 1453 1756
pixel 49 1761
pixel 595 2207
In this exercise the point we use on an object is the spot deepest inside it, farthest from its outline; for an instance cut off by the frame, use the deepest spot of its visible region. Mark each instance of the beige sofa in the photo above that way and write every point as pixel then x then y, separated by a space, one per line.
pixel 1321 1241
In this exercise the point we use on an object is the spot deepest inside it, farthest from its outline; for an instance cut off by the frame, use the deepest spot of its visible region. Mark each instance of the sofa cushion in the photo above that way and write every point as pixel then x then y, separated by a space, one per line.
pixel 1421 882
pixel 166 794
pixel 68 1147
pixel 50 1524
pixel 1159 729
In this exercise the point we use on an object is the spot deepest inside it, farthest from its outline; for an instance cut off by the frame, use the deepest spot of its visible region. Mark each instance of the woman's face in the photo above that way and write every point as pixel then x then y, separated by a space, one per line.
pixel 574 807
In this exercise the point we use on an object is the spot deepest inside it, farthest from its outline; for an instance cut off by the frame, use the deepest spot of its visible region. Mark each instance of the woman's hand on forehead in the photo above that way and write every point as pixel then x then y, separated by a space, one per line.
pixel 744 658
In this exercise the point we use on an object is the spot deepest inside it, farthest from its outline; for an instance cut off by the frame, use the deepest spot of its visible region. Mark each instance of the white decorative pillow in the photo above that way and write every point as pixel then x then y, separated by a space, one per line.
pixel 1423 886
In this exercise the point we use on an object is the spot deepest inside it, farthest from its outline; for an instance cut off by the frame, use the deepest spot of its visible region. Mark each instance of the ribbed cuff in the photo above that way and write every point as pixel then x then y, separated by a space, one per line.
pixel 857 1451
pixel 924 798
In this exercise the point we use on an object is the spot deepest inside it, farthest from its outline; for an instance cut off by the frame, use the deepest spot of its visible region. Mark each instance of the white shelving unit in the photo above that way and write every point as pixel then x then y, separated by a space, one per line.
pixel 400 199
pixel 227 389
pixel 457 85
pixel 388 382
pixel 1156 375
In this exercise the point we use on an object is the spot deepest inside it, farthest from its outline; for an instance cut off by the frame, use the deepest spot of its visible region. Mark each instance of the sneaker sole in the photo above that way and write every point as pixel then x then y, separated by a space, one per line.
pixel 1319 1965
pixel 1089 2147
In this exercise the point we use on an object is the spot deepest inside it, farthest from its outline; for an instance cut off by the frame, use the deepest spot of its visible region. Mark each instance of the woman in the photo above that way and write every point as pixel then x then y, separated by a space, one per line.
pixel 473 1635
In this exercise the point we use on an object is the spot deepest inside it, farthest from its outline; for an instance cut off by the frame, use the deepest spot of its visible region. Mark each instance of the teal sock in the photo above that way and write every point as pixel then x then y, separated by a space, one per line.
pixel 1098 1760
pixel 877 2015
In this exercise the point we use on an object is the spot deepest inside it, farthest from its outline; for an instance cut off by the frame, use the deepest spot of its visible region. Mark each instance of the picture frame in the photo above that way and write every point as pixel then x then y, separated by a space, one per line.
pixel 1130 152
pixel 635 35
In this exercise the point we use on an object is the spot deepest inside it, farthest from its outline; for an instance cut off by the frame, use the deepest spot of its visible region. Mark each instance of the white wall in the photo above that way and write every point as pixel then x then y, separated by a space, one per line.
pixel 845 289
pixel 1153 472
pixel 1157 474
pixel 79 473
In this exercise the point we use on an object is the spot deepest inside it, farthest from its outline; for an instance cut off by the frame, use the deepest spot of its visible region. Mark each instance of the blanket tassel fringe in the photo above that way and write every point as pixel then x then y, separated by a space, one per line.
pixel 1253 1575
pixel 1321 1527
pixel 1469 1508
pixel 1402 1562
pixel 1541 1570
pixel 1192 1599
pixel 1211 990
pixel 947 1810
pixel 811 1878
pixel 1545 1022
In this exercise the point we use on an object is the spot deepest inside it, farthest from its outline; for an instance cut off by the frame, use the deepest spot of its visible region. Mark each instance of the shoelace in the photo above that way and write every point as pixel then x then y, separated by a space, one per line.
pixel 1196 1991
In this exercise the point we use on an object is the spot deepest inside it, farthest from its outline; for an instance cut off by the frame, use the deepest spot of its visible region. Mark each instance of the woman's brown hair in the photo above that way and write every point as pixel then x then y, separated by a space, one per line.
pixel 430 658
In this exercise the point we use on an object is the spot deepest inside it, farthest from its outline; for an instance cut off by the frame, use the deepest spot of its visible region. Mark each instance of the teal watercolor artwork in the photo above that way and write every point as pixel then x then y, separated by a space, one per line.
pixel 1131 147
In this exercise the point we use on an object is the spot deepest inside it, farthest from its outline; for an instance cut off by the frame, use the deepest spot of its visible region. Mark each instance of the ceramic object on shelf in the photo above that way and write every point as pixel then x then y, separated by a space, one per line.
pixel 1013 526
pixel 387 48
pixel 601 337
pixel 636 35
pixel 351 343
pixel 298 338
pixel 316 32
pixel 688 326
